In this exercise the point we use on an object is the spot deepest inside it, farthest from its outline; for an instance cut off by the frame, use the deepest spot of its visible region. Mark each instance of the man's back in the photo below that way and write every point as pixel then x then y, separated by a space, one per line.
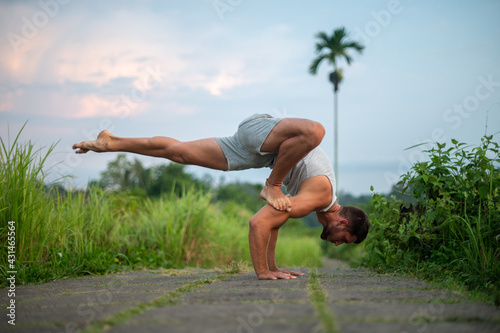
pixel 316 163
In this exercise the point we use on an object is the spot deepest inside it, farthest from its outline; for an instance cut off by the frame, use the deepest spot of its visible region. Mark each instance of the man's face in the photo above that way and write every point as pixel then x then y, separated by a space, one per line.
pixel 337 235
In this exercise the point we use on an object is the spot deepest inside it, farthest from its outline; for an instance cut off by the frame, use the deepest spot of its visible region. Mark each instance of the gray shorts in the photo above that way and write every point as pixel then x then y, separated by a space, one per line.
pixel 242 150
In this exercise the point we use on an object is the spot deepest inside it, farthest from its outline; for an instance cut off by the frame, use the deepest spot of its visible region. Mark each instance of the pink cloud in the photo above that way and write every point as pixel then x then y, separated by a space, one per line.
pixel 70 50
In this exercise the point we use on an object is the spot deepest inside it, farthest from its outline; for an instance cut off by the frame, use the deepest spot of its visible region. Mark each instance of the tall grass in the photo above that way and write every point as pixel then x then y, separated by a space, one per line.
pixel 22 200
pixel 96 231
pixel 479 255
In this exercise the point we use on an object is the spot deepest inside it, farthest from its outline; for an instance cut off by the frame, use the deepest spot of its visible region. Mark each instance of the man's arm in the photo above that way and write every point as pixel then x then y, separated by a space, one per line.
pixel 266 222
pixel 261 225
pixel 271 255
pixel 315 193
pixel 271 250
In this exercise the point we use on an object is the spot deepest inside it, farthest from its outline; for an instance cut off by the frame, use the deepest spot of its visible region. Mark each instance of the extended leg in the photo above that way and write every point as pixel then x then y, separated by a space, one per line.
pixel 292 139
pixel 206 152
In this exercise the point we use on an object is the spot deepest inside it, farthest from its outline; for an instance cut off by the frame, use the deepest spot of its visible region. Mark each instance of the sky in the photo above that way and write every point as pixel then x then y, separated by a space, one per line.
pixel 193 69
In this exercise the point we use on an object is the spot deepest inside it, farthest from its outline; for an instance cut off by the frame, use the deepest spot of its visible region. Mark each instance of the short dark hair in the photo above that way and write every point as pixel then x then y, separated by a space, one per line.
pixel 358 222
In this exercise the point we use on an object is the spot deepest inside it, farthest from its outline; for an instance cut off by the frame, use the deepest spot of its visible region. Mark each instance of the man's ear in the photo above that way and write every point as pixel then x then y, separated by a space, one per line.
pixel 343 222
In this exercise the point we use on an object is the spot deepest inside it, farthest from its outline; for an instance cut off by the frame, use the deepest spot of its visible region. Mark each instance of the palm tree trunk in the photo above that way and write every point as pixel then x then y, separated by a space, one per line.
pixel 336 137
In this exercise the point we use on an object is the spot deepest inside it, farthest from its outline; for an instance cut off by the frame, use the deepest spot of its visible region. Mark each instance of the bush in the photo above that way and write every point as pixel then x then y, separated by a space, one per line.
pixel 453 222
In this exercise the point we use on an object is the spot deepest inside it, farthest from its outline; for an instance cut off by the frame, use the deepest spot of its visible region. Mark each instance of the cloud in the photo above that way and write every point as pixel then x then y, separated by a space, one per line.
pixel 78 66
pixel 61 104
pixel 222 81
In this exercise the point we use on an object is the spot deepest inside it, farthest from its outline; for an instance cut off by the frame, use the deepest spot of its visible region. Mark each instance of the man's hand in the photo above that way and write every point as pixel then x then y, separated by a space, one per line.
pixel 288 272
pixel 276 275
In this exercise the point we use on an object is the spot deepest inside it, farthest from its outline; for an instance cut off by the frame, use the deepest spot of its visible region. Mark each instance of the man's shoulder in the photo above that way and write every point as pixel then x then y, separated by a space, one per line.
pixel 318 189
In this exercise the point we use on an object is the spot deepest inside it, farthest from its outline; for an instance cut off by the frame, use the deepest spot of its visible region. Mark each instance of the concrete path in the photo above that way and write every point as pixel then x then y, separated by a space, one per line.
pixel 332 299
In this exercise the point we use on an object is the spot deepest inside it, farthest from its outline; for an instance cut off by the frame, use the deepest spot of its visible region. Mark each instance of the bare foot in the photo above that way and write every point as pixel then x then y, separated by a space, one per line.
pixel 100 145
pixel 273 195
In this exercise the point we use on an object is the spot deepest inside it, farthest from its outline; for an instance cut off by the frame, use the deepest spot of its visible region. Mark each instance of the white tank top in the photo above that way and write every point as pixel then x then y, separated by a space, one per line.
pixel 316 163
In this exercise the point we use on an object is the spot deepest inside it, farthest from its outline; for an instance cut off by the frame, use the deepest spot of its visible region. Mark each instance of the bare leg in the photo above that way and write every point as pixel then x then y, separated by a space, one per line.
pixel 292 139
pixel 206 152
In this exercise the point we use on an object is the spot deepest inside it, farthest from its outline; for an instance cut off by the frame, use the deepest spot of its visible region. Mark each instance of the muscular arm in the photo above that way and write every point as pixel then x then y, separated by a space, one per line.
pixel 315 193
pixel 262 225
pixel 263 235
pixel 271 255
pixel 271 250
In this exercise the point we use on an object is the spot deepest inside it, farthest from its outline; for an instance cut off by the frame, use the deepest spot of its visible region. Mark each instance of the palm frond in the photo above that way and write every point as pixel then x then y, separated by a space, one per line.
pixel 323 41
pixel 339 34
pixel 323 36
pixel 347 57
pixel 315 64
pixel 334 47
pixel 355 45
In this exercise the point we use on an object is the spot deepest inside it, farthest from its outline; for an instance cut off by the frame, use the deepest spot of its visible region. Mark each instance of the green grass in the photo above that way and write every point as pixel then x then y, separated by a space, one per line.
pixel 22 199
pixel 318 299
pixel 65 234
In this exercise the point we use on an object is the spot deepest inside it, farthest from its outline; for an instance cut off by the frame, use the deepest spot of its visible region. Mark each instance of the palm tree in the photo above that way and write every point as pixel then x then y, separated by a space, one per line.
pixel 333 48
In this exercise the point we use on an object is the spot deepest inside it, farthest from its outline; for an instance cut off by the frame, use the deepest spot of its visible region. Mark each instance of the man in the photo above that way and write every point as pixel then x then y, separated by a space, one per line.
pixel 290 147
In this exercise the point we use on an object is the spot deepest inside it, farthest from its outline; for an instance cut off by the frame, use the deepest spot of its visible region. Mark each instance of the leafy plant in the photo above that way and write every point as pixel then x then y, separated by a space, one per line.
pixel 453 221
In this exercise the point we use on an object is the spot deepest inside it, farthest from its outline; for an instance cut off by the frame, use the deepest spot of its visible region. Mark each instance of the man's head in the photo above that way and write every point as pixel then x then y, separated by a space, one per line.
pixel 349 225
